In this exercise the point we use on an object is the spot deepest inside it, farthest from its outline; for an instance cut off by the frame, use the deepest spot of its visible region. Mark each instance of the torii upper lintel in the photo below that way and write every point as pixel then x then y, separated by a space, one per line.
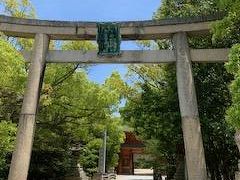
pixel 130 30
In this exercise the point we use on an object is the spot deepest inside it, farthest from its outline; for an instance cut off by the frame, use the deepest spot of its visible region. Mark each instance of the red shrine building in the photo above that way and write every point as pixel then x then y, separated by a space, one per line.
pixel 129 149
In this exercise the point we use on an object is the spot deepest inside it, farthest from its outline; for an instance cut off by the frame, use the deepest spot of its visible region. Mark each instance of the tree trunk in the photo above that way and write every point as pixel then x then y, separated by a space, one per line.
pixel 180 169
pixel 237 140
pixel 180 163
pixel 157 175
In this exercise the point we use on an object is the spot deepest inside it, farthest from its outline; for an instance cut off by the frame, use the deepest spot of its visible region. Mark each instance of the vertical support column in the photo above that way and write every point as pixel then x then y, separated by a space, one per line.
pixel 194 151
pixel 102 155
pixel 104 151
pixel 25 135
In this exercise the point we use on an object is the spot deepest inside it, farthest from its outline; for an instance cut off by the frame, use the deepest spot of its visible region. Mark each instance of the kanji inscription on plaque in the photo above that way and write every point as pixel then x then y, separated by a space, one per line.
pixel 108 39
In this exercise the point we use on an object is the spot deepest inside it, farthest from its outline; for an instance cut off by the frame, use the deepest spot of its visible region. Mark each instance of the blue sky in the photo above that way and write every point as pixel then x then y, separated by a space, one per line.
pixel 98 10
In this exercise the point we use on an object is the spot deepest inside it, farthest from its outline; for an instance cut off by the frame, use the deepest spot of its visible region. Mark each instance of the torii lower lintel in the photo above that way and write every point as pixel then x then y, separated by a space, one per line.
pixel 132 56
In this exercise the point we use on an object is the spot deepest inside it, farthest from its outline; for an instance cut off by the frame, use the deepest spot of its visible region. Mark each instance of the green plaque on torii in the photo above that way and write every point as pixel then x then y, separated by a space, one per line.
pixel 108 39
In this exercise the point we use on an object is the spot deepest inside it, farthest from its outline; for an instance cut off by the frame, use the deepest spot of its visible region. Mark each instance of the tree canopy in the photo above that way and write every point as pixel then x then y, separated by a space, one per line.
pixel 154 105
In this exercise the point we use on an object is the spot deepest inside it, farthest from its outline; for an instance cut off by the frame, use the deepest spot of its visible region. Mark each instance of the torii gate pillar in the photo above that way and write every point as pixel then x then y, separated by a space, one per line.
pixel 25 135
pixel 194 151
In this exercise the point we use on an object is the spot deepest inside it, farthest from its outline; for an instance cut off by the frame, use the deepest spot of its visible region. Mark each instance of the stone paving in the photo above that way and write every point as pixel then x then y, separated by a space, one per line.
pixel 142 174
pixel 136 177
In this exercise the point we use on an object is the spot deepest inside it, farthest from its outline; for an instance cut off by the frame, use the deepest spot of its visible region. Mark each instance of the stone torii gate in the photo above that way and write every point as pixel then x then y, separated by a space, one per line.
pixel 176 29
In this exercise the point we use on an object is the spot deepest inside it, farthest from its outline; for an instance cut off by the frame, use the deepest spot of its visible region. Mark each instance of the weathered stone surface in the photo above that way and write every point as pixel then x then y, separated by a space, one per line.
pixel 21 156
pixel 133 30
pixel 237 140
pixel 133 56
pixel 237 176
pixel 194 152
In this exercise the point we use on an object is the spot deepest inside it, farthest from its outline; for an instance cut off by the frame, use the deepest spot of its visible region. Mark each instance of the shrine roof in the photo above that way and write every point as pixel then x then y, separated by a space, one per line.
pixel 132 141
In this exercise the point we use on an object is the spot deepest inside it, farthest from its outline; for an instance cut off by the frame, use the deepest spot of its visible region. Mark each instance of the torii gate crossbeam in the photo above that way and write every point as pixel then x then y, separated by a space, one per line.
pixel 129 30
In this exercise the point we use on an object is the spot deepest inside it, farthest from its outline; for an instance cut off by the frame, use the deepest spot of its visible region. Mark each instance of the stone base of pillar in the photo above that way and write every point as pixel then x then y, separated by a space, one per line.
pixel 237 175
pixel 110 176
pixel 97 176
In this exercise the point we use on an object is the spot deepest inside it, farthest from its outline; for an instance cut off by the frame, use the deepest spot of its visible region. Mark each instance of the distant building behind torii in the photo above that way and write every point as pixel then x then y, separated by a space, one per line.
pixel 129 148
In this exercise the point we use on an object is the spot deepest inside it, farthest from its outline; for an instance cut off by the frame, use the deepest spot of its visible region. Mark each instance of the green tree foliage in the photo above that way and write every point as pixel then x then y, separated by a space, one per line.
pixel 186 8
pixel 73 113
pixel 12 79
pixel 12 67
pixel 227 31
pixel 18 8
pixel 73 110
pixel 233 67
pixel 211 81
pixel 154 113
pixel 12 82
pixel 213 100
pixel 7 134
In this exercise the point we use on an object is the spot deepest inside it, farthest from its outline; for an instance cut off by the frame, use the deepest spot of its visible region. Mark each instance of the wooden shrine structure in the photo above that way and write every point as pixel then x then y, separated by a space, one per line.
pixel 129 148
pixel 176 29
